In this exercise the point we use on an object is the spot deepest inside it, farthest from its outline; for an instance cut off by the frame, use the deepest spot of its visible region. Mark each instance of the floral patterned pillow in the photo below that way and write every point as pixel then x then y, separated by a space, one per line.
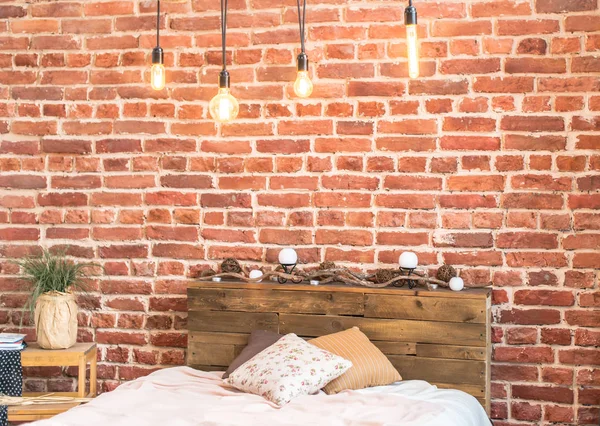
pixel 287 369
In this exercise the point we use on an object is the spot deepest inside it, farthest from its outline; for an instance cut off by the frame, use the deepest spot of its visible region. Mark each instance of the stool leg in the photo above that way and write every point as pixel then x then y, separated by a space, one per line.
pixel 81 378
pixel 93 377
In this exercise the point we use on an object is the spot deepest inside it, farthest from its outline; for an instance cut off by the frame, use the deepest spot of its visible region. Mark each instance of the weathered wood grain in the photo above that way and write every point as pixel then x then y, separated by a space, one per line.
pixel 215 337
pixel 477 391
pixel 396 348
pixel 386 329
pixel 306 302
pixel 470 293
pixel 439 370
pixel 213 353
pixel 232 322
pixel 424 308
pixel 451 351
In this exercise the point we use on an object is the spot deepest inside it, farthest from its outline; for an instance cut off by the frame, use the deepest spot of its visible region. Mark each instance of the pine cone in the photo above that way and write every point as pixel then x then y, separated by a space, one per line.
pixel 384 275
pixel 230 265
pixel 326 265
pixel 445 273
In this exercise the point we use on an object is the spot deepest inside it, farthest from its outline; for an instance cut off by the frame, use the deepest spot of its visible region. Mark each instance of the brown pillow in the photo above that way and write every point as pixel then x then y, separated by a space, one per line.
pixel 370 367
pixel 258 341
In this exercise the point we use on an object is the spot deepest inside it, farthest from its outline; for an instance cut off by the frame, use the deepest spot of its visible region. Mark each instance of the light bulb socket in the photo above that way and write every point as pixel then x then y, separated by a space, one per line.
pixel 158 56
pixel 224 79
pixel 302 61
pixel 410 15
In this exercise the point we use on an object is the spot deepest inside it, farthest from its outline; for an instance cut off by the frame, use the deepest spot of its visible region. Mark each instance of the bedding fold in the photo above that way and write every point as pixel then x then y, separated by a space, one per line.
pixel 183 396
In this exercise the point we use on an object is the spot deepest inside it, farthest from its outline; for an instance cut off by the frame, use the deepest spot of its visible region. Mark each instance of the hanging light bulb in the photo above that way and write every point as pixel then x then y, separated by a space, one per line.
pixel 158 76
pixel 303 87
pixel 223 107
pixel 410 20
pixel 157 72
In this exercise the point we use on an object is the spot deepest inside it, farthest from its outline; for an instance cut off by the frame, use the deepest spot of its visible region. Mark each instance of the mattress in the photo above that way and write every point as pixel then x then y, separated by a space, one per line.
pixel 182 396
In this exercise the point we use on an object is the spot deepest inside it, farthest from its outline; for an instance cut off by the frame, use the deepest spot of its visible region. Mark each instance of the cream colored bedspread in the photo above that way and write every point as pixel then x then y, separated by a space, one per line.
pixel 183 396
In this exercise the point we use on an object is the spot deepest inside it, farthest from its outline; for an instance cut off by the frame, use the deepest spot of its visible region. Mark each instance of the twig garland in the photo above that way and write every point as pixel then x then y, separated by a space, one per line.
pixel 326 276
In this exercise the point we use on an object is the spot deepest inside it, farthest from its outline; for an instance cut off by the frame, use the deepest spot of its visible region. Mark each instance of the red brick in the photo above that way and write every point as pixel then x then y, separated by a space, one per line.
pixel 516 27
pixel 579 356
pixel 559 6
pixel 461 28
pixel 544 297
pixel 521 336
pixel 511 372
pixel 524 355
pixel 582 23
pixel 583 318
pixel 530 316
pixel 559 376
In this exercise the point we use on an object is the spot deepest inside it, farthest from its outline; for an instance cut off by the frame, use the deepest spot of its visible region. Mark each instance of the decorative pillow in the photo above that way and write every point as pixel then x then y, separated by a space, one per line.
pixel 287 369
pixel 370 367
pixel 258 341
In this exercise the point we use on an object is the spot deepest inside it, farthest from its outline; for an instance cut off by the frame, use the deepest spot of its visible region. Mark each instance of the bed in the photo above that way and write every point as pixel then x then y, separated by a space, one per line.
pixel 437 336
pixel 183 396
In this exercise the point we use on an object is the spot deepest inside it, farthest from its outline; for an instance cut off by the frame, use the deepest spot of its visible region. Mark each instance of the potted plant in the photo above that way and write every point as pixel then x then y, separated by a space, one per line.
pixel 53 278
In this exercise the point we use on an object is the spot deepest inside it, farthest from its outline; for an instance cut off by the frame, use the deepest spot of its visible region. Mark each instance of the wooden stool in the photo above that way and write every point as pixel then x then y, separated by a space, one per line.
pixel 79 355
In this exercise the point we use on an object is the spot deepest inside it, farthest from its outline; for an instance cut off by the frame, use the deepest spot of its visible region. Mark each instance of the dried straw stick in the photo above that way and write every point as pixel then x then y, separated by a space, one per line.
pixel 41 399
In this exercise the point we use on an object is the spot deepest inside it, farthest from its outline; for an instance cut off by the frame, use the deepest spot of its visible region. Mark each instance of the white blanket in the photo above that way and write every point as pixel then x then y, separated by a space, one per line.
pixel 183 396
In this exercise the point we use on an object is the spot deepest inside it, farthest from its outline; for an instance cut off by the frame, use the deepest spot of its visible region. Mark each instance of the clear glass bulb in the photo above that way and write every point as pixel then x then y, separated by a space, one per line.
pixel 303 87
pixel 158 76
pixel 412 51
pixel 223 107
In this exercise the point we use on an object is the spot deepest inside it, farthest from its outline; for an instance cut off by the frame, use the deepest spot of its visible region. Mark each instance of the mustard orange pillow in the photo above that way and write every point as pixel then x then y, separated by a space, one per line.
pixel 370 367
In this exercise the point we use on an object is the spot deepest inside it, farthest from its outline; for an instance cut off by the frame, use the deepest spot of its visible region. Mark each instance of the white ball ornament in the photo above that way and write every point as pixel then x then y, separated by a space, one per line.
pixel 255 273
pixel 288 256
pixel 408 260
pixel 456 284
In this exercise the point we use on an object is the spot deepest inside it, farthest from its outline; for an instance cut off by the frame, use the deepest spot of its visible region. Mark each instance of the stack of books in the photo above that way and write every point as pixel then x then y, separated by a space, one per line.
pixel 11 341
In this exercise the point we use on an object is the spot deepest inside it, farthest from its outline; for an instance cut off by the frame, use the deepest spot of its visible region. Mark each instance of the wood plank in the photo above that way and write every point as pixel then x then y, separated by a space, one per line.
pixel 386 329
pixel 396 348
pixel 58 394
pixel 451 351
pixel 232 322
pixel 207 367
pixel 468 293
pixel 34 356
pixel 478 391
pixel 38 411
pixel 281 301
pixel 438 370
pixel 212 353
pixel 488 358
pixel 222 338
pixel 425 308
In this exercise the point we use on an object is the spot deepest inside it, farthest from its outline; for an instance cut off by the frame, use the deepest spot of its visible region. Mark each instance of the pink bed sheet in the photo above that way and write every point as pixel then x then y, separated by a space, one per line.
pixel 183 396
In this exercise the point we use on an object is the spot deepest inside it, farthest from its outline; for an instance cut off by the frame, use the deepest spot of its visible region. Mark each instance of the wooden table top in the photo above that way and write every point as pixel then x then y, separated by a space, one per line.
pixel 84 347
pixel 34 356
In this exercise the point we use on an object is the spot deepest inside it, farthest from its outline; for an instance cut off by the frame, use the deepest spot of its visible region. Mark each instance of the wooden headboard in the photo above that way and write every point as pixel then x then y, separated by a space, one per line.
pixel 439 336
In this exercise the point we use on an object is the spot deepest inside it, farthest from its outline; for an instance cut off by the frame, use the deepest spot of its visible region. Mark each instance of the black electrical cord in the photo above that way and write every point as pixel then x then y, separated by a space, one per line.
pixel 224 31
pixel 157 23
pixel 301 22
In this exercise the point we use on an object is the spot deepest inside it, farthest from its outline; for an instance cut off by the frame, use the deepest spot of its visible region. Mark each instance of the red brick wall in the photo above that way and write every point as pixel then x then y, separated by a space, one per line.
pixel 490 161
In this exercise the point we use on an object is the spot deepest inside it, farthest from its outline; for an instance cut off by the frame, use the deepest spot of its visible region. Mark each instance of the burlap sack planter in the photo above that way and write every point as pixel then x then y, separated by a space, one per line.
pixel 56 320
